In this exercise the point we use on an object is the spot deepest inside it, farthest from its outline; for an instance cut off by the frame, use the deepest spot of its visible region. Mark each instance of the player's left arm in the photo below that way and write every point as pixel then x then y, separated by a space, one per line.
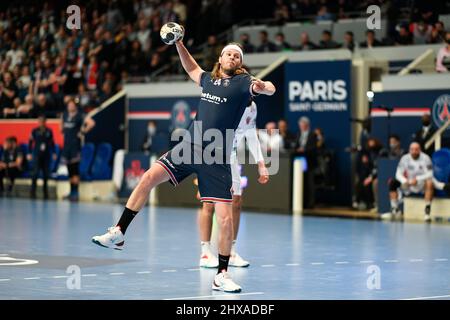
pixel 262 87
pixel 428 174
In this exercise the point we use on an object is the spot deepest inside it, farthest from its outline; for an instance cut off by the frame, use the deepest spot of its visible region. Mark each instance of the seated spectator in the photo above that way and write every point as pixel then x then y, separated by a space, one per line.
pixel 24 110
pixel 266 45
pixel 349 42
pixel 106 92
pixel 324 15
pixel 437 33
pixel 424 134
pixel 403 36
pixel 10 163
pixel 443 56
pixel 305 43
pixel 421 32
pixel 280 43
pixel 246 44
pixel 148 140
pixel 371 41
pixel 281 13
pixel 327 42
pixel 287 136
pixel 414 175
pixel 8 92
pixel 210 52
pixel 270 139
pixel 43 106
pixel 395 150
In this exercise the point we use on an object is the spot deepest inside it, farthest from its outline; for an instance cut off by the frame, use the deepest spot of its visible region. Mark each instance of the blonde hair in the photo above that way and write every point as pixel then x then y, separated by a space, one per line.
pixel 215 73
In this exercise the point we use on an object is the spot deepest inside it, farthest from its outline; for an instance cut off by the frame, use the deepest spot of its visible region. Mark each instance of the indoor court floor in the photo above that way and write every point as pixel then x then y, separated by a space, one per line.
pixel 292 257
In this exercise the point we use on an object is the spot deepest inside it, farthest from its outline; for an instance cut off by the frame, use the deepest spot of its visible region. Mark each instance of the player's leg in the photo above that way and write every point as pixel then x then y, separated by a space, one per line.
pixel 394 185
pixel 222 281
pixel 429 191
pixel 114 238
pixel 205 221
pixel 34 176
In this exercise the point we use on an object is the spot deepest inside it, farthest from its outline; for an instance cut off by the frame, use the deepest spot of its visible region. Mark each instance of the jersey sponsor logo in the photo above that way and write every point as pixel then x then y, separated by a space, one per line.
pixel 440 110
pixel 212 98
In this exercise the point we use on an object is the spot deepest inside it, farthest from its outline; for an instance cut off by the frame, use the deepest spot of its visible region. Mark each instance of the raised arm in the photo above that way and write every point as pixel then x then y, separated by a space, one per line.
pixel 189 64
pixel 263 87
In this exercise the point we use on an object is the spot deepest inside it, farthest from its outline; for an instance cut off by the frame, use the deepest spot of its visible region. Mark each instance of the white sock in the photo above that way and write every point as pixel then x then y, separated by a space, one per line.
pixel 233 247
pixel 206 247
pixel 394 204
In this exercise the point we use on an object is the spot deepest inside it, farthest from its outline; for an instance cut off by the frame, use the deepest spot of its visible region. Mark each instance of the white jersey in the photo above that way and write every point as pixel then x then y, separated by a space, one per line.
pixel 421 169
pixel 247 129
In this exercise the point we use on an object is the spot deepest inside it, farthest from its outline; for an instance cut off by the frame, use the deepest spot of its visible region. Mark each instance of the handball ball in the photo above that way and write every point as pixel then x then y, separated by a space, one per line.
pixel 171 32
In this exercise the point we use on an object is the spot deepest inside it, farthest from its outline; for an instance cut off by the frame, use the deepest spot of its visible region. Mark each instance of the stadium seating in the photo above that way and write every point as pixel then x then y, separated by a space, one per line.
pixel 87 156
pixel 441 167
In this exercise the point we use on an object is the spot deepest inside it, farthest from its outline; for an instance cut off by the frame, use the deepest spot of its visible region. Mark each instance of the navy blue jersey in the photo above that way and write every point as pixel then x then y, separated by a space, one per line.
pixel 72 126
pixel 41 141
pixel 222 104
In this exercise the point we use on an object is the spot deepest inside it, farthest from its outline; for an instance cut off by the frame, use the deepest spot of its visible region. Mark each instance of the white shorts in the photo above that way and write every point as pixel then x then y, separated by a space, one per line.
pixel 236 177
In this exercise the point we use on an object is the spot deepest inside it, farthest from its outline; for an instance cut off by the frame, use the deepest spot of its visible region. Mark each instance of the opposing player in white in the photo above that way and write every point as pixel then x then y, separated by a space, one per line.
pixel 247 130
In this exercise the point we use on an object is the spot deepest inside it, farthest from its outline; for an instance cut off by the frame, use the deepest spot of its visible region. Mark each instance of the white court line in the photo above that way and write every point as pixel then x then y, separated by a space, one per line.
pixel 217 295
pixel 195 269
pixel 267 265
pixel 292 264
pixel 89 275
pixel 59 277
pixel 170 270
pixel 341 262
pixel 32 278
pixel 116 273
pixel 390 261
pixel 317 263
pixel 424 298
pixel 366 261
pixel 4 254
pixel 441 259
pixel 415 260
pixel 5 280
pixel 143 272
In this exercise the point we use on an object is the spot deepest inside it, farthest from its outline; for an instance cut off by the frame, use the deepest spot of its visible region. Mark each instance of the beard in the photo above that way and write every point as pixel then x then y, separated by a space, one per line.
pixel 229 71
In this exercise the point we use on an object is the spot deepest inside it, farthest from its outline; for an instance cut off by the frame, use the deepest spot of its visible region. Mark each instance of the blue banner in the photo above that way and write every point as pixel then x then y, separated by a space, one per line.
pixel 321 91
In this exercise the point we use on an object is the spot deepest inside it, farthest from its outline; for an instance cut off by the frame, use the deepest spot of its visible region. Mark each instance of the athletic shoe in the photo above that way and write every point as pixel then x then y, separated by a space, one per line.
pixel 223 282
pixel 427 218
pixel 112 239
pixel 237 261
pixel 394 214
pixel 208 260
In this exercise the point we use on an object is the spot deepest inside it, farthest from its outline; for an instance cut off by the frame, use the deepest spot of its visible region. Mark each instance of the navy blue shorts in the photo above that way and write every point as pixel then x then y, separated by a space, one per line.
pixel 71 154
pixel 214 180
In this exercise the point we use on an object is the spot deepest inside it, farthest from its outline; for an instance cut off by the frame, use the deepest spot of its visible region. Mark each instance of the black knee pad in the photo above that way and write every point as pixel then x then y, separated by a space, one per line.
pixel 394 184
pixel 73 169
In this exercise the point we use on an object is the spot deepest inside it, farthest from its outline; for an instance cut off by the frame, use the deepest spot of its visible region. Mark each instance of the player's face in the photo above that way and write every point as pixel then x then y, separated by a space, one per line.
pixel 230 61
pixel 414 150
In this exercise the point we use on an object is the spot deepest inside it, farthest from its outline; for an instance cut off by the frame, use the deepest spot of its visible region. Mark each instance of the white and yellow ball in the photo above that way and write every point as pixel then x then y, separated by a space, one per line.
pixel 171 32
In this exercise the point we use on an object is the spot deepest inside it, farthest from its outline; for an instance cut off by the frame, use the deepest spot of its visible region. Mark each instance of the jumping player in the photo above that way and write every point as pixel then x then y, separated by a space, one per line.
pixel 247 130
pixel 225 93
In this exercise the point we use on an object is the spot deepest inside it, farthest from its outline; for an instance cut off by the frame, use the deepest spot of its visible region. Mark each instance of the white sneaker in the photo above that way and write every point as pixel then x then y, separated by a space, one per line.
pixel 237 261
pixel 223 282
pixel 209 260
pixel 427 218
pixel 112 239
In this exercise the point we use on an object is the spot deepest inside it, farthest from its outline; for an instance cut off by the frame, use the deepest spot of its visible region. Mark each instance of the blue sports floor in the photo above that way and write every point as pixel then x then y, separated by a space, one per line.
pixel 291 257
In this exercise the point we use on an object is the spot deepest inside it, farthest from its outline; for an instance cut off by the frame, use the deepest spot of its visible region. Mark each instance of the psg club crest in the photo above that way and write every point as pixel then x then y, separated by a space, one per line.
pixel 134 174
pixel 181 115
pixel 441 110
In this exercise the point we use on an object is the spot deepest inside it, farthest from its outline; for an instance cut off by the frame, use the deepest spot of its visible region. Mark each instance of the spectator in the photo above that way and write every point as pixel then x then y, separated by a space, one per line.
pixel 424 134
pixel 395 150
pixel 270 139
pixel 266 45
pixel 327 42
pixel 42 106
pixel 136 61
pixel 106 92
pixel 246 44
pixel 403 37
pixel 210 53
pixel 324 15
pixel 421 32
pixel 280 43
pixel 414 175
pixel 143 35
pixel 25 109
pixel 41 146
pixel 443 56
pixel 437 33
pixel 371 41
pixel 306 145
pixel 349 41
pixel 287 136
pixel 10 163
pixel 155 62
pixel 305 43
pixel 8 92
pixel 281 13
pixel 180 10
pixel 148 140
